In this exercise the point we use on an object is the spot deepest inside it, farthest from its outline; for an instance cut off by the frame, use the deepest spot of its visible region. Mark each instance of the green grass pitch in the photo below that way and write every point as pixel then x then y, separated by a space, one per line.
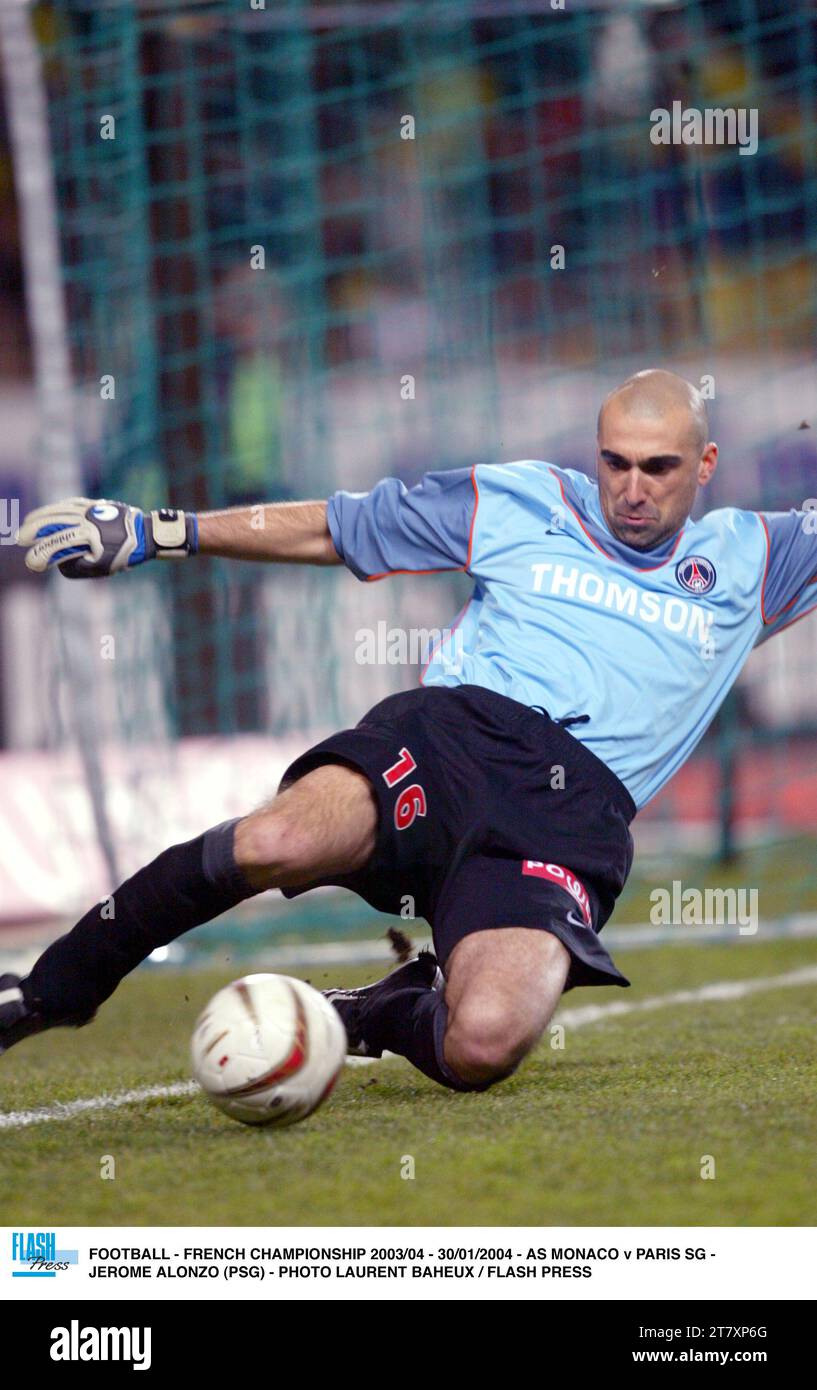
pixel 610 1130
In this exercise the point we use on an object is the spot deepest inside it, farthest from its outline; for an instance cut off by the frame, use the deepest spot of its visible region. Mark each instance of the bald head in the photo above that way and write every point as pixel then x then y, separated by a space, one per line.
pixel 653 455
pixel 655 395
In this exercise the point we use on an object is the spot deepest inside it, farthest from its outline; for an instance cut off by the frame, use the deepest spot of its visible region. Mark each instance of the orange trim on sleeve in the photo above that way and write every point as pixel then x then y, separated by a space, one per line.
pixel 799 617
pixel 767 621
pixel 444 569
pixel 467 564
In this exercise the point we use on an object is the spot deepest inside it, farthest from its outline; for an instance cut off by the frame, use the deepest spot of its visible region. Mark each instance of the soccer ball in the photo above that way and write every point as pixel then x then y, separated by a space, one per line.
pixel 268 1049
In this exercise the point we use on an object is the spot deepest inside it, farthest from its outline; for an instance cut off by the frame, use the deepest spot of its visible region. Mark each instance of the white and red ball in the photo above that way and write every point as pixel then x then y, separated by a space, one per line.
pixel 268 1049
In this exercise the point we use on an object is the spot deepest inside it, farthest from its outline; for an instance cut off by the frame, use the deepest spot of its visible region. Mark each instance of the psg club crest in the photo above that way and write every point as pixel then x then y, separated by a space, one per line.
pixel 695 574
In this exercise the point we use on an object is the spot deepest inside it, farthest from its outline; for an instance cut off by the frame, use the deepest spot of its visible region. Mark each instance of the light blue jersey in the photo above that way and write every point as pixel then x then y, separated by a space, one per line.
pixel 565 616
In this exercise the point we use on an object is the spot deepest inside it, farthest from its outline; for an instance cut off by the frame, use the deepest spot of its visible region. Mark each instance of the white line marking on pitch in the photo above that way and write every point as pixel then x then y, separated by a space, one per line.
pixel 705 994
pixel 67 1110
pixel 573 1018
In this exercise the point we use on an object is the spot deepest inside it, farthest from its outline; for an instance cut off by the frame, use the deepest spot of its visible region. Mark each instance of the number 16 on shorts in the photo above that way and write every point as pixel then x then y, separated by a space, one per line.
pixel 411 801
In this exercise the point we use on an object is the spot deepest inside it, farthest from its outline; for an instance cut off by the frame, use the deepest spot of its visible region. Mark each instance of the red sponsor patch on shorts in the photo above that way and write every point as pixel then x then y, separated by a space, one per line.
pixel 565 879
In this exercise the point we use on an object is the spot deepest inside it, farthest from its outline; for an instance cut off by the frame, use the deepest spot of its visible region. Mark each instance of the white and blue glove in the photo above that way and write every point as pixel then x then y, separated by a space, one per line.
pixel 89 539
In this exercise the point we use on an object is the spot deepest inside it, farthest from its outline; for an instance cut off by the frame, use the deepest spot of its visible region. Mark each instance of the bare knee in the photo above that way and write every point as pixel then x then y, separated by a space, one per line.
pixel 486 1044
pixel 503 986
pixel 324 824
pixel 270 847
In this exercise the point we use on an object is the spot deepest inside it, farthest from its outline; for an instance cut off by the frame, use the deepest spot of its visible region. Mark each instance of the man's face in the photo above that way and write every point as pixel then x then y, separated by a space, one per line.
pixel 649 471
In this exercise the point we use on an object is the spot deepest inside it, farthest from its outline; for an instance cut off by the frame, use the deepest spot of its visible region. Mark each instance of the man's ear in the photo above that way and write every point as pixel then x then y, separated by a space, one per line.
pixel 708 464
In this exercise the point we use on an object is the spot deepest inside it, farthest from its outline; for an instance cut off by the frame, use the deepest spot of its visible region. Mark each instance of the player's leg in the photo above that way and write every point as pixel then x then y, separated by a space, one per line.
pixel 513 932
pixel 503 987
pixel 503 981
pixel 325 821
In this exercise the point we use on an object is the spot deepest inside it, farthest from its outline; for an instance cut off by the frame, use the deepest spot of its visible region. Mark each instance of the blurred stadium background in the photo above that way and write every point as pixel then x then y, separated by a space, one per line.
pixel 229 273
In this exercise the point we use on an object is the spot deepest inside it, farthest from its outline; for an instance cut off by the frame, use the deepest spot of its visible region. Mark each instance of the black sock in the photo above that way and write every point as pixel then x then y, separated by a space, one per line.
pixel 186 885
pixel 412 1022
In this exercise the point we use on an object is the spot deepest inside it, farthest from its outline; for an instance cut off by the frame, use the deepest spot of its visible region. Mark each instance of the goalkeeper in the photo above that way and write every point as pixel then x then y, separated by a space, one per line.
pixel 603 632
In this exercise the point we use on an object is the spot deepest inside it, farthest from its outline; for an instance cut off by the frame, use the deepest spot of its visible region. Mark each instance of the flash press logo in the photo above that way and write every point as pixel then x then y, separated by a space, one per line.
pixel 75 1343
pixel 35 1255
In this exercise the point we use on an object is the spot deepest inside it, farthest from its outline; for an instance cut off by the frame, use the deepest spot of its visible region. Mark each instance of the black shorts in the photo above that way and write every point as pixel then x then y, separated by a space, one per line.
pixel 491 815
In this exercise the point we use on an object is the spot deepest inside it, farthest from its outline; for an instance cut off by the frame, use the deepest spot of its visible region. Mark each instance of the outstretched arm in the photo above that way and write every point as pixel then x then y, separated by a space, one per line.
pixel 391 529
pixel 284 531
pixel 90 539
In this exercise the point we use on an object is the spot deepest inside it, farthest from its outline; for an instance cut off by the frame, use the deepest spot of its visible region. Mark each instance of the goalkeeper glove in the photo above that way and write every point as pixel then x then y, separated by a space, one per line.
pixel 90 539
